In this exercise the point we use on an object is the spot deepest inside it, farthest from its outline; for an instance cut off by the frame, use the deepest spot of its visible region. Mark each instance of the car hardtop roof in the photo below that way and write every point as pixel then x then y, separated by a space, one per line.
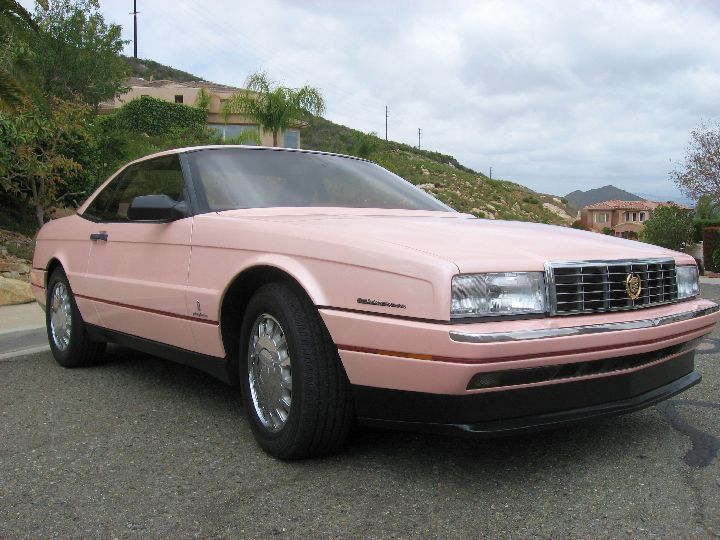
pixel 189 149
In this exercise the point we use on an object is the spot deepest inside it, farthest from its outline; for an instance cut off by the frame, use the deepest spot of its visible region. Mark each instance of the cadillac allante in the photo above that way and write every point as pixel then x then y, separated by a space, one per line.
pixel 333 292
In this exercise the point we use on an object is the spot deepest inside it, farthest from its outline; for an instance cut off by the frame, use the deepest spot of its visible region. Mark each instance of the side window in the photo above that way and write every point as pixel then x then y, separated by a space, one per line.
pixel 160 176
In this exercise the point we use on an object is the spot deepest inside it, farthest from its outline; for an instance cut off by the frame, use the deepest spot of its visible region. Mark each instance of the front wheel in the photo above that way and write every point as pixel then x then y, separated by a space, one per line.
pixel 69 342
pixel 296 394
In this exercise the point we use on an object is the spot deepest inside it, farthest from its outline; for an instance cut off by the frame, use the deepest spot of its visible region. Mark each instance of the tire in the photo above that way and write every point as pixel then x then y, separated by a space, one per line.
pixel 284 338
pixel 69 341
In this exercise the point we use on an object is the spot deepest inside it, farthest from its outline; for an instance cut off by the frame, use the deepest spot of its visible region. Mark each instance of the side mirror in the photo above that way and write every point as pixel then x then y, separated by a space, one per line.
pixel 156 208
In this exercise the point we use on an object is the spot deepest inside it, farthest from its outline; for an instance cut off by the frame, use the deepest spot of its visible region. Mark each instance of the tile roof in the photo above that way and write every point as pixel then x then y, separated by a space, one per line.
pixel 624 205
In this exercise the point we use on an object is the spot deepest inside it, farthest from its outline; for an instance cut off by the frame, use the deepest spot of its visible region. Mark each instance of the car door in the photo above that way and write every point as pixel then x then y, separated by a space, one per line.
pixel 137 270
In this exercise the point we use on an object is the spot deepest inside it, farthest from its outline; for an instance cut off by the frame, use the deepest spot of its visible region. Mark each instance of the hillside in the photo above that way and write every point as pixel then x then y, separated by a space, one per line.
pixel 442 176
pixel 151 70
pixel 578 199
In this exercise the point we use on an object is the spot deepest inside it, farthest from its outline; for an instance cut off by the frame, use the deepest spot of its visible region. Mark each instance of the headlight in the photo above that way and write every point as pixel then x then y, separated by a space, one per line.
pixel 687 281
pixel 506 293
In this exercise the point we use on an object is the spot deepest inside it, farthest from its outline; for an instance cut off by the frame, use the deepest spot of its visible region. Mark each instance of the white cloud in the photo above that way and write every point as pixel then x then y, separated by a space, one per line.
pixel 553 94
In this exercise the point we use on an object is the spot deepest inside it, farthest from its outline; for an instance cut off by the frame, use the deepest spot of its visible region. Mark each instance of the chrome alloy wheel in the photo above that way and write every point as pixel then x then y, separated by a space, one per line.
pixel 270 372
pixel 60 316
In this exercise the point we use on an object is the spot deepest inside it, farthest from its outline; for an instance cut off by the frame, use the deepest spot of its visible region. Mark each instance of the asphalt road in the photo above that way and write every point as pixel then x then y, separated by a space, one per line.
pixel 142 447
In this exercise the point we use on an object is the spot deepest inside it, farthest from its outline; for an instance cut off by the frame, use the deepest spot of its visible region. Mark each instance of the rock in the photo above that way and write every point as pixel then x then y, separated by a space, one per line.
pixel 10 275
pixel 13 291
pixel 426 186
pixel 20 268
pixel 424 171
pixel 558 211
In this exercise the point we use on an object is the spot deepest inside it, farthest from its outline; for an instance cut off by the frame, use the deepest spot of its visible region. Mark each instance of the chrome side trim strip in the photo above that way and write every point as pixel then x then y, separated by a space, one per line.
pixel 526 335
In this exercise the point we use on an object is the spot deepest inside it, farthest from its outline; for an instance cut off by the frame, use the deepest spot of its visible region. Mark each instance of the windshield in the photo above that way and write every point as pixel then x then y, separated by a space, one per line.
pixel 235 178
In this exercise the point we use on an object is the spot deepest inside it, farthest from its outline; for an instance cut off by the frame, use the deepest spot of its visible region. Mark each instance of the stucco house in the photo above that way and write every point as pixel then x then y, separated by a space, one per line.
pixel 625 218
pixel 187 92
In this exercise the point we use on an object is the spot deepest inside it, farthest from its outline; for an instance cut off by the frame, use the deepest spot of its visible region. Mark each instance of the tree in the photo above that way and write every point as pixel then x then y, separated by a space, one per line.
pixel 699 173
pixel 275 108
pixel 16 69
pixel 77 53
pixel 43 154
pixel 363 144
pixel 706 208
pixel 670 227
pixel 202 100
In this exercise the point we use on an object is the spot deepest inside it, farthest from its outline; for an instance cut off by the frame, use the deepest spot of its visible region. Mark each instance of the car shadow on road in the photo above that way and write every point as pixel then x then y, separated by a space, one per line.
pixel 588 442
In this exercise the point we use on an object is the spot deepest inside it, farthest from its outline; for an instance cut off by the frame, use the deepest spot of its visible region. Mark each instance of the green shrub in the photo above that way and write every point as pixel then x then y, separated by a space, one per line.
pixel 700 224
pixel 670 227
pixel 578 224
pixel 716 259
pixel 608 231
pixel 154 116
pixel 711 242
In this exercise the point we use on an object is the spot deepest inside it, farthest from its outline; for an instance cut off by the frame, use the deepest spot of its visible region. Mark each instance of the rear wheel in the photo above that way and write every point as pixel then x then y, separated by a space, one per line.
pixel 69 341
pixel 296 394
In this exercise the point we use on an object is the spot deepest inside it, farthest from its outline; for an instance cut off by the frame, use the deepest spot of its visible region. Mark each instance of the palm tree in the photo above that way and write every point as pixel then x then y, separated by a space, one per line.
pixel 275 108
pixel 15 21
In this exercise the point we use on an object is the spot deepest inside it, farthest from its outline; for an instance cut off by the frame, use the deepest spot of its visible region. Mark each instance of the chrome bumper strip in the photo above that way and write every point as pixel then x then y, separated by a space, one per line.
pixel 526 335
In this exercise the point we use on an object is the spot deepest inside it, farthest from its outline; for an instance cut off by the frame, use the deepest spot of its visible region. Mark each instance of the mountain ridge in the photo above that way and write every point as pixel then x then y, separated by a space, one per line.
pixel 578 198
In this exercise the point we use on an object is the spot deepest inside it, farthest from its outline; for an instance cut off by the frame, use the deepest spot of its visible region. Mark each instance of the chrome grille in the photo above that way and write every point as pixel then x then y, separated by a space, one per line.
pixel 597 286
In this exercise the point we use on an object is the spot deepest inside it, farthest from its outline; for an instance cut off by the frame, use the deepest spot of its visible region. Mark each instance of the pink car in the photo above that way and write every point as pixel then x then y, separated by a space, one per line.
pixel 332 291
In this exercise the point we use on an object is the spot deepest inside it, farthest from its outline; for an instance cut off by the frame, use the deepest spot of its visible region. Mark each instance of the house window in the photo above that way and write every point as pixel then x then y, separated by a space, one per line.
pixel 240 133
pixel 291 139
pixel 631 216
pixel 642 216
pixel 601 218
pixel 178 98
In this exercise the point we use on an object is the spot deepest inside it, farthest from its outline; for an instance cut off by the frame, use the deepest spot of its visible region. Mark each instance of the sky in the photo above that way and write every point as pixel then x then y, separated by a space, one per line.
pixel 556 95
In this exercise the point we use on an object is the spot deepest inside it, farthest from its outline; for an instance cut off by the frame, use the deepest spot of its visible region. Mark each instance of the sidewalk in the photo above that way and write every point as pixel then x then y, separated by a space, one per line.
pixel 22 331
pixel 21 317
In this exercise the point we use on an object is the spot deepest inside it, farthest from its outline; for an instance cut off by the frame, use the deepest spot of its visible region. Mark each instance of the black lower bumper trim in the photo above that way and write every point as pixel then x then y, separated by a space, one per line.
pixel 529 409
pixel 544 421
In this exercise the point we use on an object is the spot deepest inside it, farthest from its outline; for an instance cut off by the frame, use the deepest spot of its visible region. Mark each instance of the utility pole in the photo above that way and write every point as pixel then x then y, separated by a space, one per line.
pixel 490 173
pixel 419 132
pixel 386 116
pixel 135 14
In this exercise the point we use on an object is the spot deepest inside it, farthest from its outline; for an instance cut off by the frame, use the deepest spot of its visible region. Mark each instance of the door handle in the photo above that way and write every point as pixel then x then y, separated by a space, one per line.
pixel 99 236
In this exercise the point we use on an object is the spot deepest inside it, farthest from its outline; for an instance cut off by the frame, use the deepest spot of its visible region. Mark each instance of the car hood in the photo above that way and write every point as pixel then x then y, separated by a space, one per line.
pixel 472 244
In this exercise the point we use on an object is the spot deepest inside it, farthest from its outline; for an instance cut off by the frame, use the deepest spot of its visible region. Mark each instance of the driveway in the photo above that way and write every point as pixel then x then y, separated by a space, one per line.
pixel 143 447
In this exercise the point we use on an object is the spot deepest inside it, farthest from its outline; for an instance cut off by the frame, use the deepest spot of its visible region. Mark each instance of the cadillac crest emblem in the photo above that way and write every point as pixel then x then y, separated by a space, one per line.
pixel 633 286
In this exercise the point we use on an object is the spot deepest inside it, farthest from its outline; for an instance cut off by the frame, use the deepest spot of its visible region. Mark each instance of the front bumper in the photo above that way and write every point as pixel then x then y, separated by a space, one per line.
pixel 526 409
pixel 436 358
